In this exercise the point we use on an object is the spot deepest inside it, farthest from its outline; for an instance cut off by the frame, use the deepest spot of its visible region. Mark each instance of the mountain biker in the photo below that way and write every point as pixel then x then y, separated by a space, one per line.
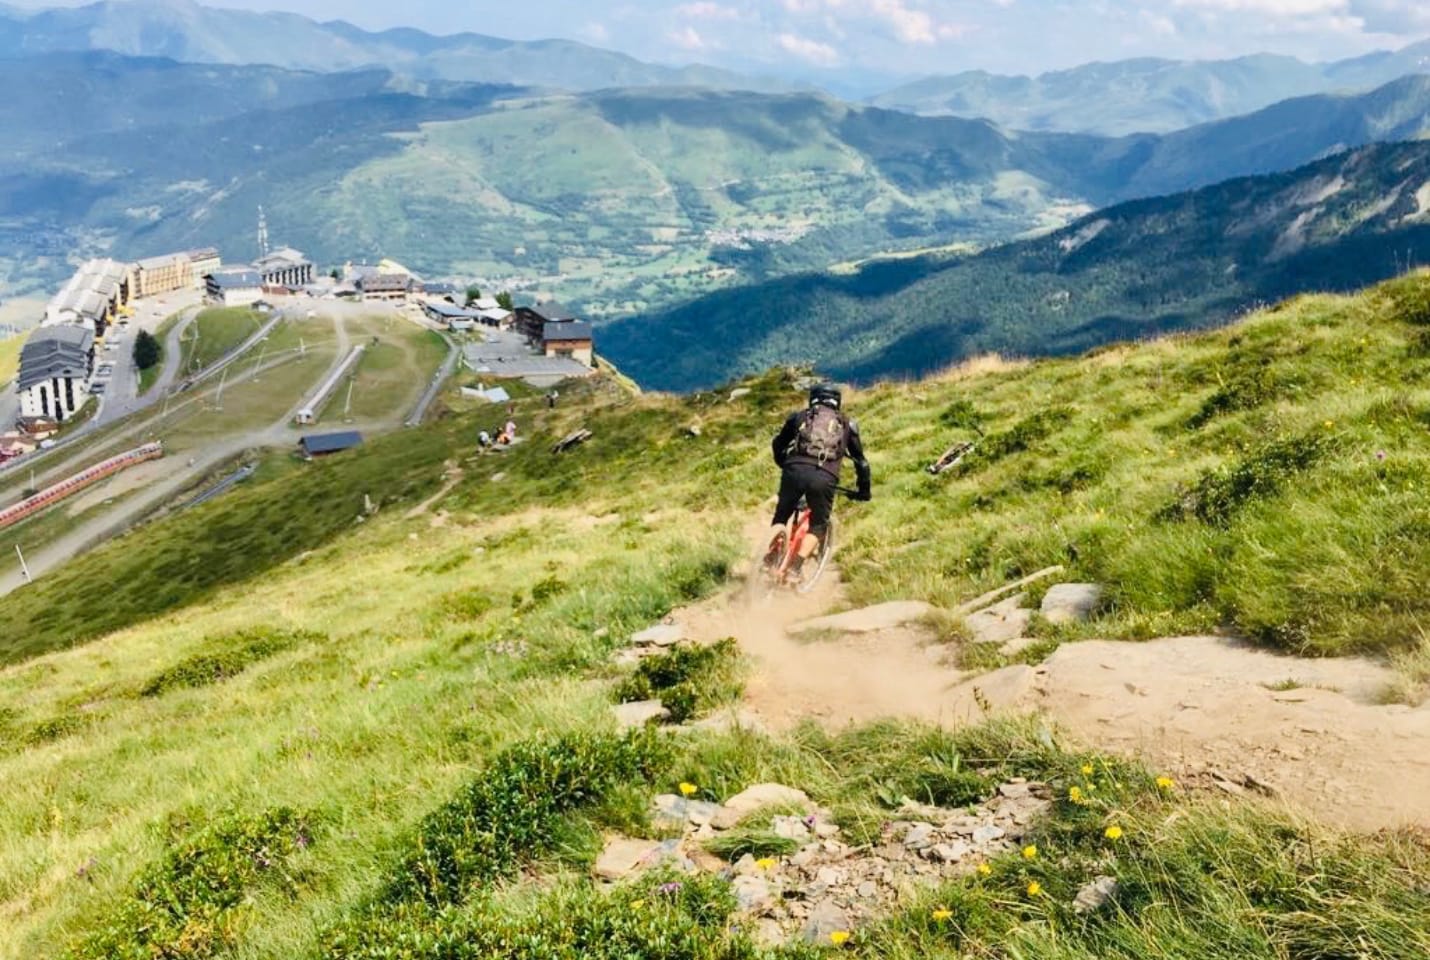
pixel 810 450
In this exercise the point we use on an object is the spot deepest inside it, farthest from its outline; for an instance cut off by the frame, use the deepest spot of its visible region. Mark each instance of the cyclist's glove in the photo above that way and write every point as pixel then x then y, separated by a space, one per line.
pixel 864 495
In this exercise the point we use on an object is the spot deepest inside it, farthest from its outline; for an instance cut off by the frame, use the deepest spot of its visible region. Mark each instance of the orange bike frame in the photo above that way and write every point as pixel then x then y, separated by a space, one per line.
pixel 798 530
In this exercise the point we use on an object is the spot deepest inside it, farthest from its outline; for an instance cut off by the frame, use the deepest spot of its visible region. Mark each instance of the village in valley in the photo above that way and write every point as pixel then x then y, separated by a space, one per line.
pixel 189 360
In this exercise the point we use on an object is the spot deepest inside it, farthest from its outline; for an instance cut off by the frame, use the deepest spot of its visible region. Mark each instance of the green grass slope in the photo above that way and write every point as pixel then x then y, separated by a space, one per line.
pixel 288 732
pixel 1137 269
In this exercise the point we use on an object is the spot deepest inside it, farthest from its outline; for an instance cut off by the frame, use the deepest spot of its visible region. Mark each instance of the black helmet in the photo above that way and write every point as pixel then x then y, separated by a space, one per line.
pixel 827 394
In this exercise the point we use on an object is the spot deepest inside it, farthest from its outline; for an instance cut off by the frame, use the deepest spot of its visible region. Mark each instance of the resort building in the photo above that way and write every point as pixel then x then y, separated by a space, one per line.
pixel 55 370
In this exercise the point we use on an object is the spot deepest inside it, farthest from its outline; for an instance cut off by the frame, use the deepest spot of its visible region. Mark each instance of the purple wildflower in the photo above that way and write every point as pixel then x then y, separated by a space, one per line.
pixel 1380 455
pixel 670 889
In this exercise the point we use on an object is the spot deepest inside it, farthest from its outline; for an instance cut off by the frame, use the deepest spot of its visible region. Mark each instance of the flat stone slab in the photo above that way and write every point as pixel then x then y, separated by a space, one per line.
pixel 624 856
pixel 1009 689
pixel 998 626
pixel 639 713
pixel 883 616
pixel 660 635
pixel 1070 602
pixel 766 795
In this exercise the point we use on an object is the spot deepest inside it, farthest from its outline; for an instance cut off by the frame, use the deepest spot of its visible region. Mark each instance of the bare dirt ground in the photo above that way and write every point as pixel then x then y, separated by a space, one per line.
pixel 1207 710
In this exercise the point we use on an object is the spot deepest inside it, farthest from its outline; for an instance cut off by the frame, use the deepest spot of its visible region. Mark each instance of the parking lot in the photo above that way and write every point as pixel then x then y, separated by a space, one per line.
pixel 503 353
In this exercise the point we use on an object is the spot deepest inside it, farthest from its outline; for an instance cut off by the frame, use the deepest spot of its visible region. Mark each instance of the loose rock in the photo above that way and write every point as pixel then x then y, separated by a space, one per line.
pixel 660 635
pixel 825 918
pixel 765 795
pixel 638 713
pixel 1095 895
pixel 1069 602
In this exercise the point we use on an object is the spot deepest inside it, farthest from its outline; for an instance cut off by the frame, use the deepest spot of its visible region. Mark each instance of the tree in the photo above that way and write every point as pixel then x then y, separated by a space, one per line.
pixel 504 300
pixel 474 293
pixel 146 350
pixel 335 273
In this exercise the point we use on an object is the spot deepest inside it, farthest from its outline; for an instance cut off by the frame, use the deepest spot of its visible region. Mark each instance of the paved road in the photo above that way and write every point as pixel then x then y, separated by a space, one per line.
pixel 186 467
pixel 438 378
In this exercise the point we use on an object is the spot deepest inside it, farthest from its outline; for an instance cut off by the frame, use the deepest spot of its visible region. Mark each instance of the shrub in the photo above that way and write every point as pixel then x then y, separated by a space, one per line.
pixel 1026 433
pixel 56 728
pixel 1246 389
pixel 227 656
pixel 465 604
pixel 687 680
pixel 186 904
pixel 666 915
pixel 506 814
pixel 757 842
pixel 1220 493
pixel 1409 298
pixel 962 415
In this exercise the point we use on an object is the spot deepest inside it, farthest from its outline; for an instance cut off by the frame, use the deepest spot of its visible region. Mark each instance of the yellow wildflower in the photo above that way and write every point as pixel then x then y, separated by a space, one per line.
pixel 942 914
pixel 1166 783
pixel 637 904
pixel 765 863
pixel 984 870
pixel 1087 769
pixel 1113 832
pixel 1075 795
pixel 1030 852
pixel 839 937
pixel 1329 424
pixel 1035 889
pixel 688 789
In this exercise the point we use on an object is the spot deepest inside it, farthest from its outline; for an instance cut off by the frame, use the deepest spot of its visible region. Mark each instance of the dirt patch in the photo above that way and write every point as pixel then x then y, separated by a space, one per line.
pixel 1310 733
pixel 829 676
pixel 126 481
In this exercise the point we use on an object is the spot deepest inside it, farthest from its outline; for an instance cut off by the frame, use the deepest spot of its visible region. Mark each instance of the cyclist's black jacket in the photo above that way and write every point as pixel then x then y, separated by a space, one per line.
pixel 853 449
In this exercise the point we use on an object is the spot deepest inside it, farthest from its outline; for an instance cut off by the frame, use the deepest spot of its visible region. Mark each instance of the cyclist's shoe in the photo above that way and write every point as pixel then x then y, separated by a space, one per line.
pixel 796 569
pixel 773 555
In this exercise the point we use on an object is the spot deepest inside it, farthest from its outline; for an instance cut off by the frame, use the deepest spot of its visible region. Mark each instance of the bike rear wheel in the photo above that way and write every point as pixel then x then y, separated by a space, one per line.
pixel 814 566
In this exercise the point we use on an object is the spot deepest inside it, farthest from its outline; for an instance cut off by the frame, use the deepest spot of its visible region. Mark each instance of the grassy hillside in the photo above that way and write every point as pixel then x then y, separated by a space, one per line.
pixel 310 734
pixel 1138 269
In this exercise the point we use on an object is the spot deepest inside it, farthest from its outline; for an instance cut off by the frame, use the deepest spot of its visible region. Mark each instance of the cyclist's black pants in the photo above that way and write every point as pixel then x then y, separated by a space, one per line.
pixel 816 486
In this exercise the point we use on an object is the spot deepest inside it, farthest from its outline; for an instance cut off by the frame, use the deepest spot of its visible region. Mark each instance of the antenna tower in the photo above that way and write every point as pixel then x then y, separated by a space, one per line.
pixel 262 234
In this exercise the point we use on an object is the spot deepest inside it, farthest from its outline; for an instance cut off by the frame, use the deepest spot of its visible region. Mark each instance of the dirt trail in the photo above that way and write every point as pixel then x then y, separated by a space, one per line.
pixel 1205 709
pixel 834 679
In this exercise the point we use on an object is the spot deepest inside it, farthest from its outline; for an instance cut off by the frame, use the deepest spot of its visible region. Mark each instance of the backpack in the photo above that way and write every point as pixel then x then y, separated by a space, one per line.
pixel 822 436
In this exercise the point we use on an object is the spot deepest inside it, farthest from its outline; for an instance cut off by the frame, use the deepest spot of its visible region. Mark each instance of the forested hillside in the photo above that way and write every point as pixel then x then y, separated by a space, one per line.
pixel 1133 270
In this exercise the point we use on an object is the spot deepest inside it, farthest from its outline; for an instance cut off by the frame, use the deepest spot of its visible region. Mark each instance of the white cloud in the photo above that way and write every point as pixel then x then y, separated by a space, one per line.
pixel 687 38
pixel 820 54
pixel 1275 8
pixel 705 10
pixel 596 33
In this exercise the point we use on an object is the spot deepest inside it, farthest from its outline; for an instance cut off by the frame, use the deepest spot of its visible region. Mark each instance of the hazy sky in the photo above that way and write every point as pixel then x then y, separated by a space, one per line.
pixel 908 36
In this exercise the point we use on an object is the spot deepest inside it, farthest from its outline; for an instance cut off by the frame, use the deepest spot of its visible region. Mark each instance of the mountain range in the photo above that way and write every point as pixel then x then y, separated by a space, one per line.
pixel 621 200
pixel 1129 271
pixel 1146 95
pixel 186 31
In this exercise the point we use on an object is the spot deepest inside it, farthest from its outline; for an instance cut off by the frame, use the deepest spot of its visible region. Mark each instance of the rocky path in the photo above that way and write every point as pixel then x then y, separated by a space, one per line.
pixel 1310 733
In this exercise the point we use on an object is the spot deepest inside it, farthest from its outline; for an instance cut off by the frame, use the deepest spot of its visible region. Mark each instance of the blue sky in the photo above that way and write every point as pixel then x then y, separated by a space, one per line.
pixel 909 36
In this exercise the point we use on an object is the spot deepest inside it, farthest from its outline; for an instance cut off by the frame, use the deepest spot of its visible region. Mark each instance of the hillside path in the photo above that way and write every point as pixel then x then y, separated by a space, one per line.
pixel 1207 710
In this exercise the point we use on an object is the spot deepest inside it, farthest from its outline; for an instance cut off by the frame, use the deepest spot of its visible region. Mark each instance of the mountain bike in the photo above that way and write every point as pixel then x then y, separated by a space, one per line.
pixel 780 565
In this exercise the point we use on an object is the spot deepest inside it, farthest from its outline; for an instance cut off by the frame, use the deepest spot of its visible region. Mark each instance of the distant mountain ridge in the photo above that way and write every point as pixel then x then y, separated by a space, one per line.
pixel 1146 95
pixel 625 201
pixel 186 31
pixel 1137 269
